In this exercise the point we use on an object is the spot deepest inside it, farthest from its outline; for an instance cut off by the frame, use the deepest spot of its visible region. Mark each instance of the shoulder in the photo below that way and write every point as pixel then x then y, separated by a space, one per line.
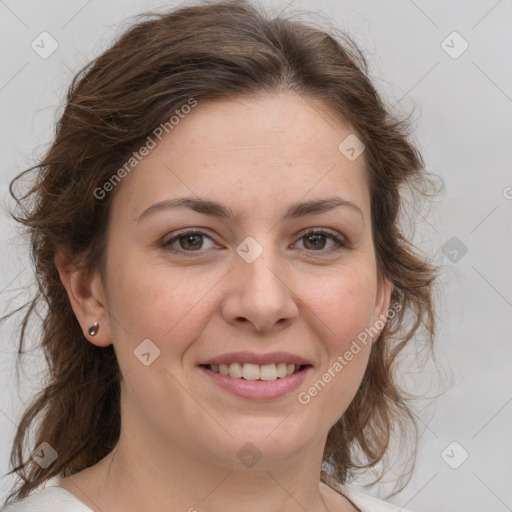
pixel 49 499
pixel 367 503
pixel 361 501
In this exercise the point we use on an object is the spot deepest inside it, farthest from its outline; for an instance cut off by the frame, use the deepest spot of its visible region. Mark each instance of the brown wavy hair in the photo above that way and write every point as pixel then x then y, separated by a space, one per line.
pixel 219 49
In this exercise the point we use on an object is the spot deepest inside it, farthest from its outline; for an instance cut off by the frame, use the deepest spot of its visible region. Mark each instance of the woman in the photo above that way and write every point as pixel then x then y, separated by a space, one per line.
pixel 216 238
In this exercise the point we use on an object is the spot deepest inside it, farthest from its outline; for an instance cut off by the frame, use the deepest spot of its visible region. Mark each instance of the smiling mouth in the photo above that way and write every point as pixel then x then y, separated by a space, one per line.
pixel 250 371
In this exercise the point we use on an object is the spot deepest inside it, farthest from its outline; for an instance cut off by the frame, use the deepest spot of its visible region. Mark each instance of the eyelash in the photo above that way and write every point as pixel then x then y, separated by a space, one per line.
pixel 341 244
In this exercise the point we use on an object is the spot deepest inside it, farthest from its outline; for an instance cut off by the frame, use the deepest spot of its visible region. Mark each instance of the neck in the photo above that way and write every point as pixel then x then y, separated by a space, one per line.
pixel 149 471
pixel 138 478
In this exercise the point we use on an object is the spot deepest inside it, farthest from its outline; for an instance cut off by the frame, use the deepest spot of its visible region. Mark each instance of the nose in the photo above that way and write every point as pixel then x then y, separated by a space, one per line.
pixel 258 294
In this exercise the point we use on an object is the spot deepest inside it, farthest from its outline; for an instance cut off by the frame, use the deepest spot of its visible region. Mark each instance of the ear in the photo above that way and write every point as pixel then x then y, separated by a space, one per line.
pixel 382 303
pixel 87 298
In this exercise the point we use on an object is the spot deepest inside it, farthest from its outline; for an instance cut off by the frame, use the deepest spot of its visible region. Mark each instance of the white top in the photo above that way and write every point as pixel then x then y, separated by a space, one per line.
pixel 57 499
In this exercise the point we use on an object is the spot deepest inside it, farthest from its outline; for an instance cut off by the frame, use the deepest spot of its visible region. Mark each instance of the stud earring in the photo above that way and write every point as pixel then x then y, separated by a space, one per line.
pixel 93 329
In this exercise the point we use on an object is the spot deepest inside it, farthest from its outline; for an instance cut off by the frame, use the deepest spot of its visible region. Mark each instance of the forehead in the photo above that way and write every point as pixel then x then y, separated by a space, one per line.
pixel 274 147
pixel 285 125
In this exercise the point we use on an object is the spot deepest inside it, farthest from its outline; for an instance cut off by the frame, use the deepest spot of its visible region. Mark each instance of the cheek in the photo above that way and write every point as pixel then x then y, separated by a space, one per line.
pixel 343 311
pixel 344 305
pixel 153 302
pixel 170 310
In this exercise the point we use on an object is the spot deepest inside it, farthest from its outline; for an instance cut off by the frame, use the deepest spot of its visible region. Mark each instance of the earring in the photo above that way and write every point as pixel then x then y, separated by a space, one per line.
pixel 93 329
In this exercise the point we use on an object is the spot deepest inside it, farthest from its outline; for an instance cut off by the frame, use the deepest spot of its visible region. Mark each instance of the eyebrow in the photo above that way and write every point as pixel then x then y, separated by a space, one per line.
pixel 215 209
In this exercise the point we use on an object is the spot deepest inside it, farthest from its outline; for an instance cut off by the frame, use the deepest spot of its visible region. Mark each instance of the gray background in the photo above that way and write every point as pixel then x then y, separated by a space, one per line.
pixel 462 111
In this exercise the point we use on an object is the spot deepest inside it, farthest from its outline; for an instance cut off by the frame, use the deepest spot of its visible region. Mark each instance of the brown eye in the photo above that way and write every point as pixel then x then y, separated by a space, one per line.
pixel 316 241
pixel 188 242
pixel 191 242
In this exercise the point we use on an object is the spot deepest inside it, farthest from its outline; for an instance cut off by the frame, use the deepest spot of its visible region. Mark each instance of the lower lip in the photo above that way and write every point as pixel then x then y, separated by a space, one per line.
pixel 258 389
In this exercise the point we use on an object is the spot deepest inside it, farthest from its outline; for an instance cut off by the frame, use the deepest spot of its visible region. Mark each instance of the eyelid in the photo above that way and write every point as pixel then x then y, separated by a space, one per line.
pixel 176 235
pixel 339 239
pixel 341 243
pixel 322 230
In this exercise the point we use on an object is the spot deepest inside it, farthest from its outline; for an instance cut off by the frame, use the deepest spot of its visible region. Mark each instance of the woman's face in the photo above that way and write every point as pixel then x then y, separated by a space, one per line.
pixel 254 281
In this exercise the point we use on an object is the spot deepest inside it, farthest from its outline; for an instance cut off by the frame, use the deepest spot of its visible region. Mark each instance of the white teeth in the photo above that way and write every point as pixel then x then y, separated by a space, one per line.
pixel 281 370
pixel 268 372
pixel 235 370
pixel 250 371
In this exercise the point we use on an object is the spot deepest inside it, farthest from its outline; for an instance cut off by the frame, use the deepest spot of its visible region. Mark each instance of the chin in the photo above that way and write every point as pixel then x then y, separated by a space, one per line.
pixel 265 443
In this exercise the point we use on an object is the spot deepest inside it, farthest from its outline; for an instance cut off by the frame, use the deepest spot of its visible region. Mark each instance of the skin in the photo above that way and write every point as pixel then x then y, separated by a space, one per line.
pixel 180 433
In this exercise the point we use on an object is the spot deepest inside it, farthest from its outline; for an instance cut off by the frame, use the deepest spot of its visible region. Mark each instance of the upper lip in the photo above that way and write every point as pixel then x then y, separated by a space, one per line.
pixel 260 359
